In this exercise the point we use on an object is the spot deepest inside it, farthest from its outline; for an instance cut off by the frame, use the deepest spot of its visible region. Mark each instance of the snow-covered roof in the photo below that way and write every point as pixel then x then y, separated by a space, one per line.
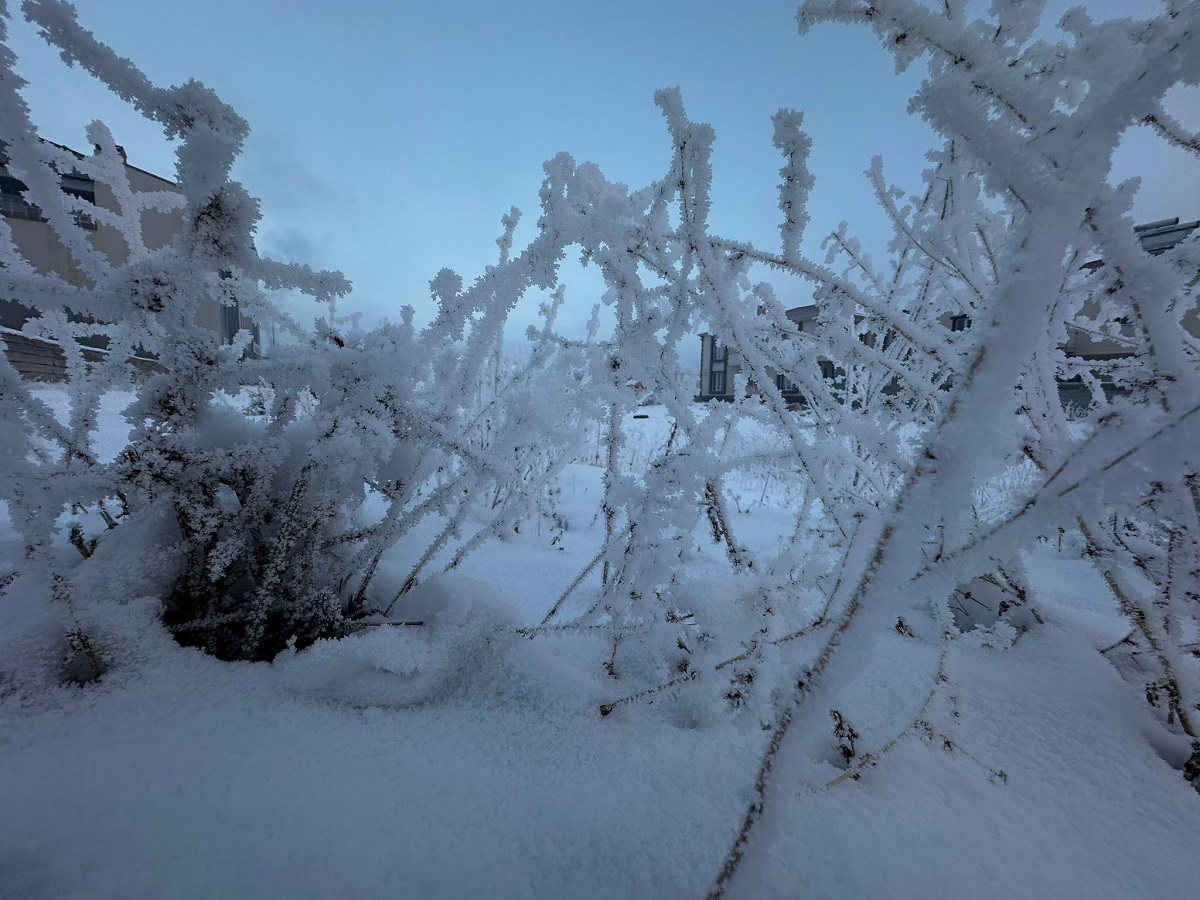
pixel 1157 237
pixel 801 314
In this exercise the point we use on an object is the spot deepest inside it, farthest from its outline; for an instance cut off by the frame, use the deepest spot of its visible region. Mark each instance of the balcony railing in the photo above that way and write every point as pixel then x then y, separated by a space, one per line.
pixel 14 206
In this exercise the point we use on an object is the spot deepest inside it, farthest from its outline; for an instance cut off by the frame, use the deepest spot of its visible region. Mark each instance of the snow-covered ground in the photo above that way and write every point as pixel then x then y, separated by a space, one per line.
pixel 462 758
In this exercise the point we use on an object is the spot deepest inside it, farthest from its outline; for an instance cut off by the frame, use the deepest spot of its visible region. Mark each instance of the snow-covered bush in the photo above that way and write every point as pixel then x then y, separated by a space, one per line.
pixel 1034 123
pixel 264 529
pixel 238 507
pixel 918 456
pixel 934 457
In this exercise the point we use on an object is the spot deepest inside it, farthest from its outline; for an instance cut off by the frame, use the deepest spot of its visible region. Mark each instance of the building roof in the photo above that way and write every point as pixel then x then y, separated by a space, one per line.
pixel 1158 237
pixel 802 314
pixel 121 150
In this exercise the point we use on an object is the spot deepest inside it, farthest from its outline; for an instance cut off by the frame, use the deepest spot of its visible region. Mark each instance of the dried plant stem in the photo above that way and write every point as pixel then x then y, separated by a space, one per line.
pixel 1179 706
pixel 755 808
pixel 1128 639
pixel 753 645
pixel 920 725
pixel 449 530
pixel 78 639
pixel 719 523
pixel 587 570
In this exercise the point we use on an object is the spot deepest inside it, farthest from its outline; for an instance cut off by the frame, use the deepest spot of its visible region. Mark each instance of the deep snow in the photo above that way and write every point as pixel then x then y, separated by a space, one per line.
pixel 461 758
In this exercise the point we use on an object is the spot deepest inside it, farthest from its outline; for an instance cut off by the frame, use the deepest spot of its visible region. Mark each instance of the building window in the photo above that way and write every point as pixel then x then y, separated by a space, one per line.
pixel 78 186
pixel 716 383
pixel 827 368
pixel 13 204
pixel 785 384
pixel 720 352
pixel 231 322
pixel 84 189
pixel 960 323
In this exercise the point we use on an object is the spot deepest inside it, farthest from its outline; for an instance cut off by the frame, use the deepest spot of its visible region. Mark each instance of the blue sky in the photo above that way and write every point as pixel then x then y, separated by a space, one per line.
pixel 389 137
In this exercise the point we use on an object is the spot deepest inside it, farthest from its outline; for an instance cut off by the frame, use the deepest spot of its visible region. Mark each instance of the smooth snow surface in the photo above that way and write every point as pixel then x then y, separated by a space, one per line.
pixel 461 759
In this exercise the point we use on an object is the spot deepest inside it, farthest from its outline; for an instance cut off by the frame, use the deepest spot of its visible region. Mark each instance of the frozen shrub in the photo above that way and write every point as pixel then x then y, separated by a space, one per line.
pixel 260 512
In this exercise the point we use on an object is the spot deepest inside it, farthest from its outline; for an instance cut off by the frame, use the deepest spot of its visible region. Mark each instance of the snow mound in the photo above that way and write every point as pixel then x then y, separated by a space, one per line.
pixel 444 632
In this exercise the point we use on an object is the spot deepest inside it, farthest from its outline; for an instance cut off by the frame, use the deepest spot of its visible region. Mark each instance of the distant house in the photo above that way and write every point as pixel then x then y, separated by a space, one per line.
pixel 719 364
pixel 1106 342
pixel 35 239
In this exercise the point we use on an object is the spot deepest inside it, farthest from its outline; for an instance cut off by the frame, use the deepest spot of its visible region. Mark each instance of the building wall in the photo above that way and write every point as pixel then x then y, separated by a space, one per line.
pixel 37 243
pixel 1083 343
pixel 803 317
pixel 1102 341
pixel 710 362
